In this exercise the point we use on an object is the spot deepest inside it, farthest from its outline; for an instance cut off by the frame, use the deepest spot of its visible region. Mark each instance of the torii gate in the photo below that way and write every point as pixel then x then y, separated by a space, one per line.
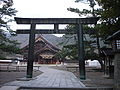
pixel 56 21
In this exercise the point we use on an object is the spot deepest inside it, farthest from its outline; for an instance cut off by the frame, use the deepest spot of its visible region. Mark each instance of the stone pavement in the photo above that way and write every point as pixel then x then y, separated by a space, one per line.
pixel 51 78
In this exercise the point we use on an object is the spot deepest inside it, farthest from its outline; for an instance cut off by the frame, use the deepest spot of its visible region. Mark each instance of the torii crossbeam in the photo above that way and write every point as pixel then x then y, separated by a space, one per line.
pixel 56 30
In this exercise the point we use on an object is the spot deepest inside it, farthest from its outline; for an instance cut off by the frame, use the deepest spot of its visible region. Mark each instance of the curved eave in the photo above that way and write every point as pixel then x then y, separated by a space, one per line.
pixel 115 36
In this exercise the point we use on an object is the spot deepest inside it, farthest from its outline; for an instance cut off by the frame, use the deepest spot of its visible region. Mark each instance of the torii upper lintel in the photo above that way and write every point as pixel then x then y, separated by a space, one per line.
pixel 56 20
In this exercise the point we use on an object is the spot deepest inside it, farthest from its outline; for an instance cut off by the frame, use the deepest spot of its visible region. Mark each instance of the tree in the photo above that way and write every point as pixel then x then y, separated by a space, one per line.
pixel 110 16
pixel 70 43
pixel 6 13
pixel 108 12
pixel 94 31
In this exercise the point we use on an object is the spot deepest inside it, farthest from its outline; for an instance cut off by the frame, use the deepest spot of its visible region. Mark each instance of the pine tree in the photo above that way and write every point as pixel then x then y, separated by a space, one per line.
pixel 6 15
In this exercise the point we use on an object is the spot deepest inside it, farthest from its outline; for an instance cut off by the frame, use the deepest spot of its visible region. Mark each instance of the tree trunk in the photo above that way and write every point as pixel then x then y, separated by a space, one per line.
pixel 99 58
pixel 102 64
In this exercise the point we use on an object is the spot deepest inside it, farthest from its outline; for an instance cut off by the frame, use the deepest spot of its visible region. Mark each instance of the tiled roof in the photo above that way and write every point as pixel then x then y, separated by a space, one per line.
pixel 23 39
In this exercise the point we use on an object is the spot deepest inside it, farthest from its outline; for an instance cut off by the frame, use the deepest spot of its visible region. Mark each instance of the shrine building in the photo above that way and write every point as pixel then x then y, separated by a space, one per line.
pixel 44 51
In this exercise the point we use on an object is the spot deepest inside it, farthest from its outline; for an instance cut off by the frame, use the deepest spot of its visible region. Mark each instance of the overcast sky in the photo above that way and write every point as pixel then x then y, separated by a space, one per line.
pixel 47 8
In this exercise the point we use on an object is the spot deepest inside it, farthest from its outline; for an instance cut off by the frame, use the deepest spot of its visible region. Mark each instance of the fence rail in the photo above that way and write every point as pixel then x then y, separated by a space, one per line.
pixel 10 67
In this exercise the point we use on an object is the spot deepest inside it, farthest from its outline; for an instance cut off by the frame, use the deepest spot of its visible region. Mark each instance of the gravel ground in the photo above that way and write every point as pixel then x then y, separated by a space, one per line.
pixel 13 74
pixel 94 78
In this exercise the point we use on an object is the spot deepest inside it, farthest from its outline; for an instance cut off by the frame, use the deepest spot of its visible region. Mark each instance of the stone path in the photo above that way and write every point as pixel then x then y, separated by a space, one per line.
pixel 51 78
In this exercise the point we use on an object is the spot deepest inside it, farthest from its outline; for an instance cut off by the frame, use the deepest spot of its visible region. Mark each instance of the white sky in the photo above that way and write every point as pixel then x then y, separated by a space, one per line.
pixel 46 8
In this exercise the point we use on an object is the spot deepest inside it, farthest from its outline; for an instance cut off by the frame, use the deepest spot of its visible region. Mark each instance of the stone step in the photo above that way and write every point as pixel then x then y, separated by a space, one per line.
pixel 9 88
pixel 53 88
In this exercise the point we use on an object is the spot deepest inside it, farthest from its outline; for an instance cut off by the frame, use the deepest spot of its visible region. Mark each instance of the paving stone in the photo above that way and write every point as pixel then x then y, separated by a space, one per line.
pixel 51 78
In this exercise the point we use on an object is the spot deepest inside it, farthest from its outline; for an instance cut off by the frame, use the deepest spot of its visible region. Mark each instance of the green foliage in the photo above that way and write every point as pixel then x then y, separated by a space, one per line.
pixel 61 54
pixel 6 13
pixel 72 51
pixel 69 44
pixel 9 48
pixel 68 51
pixel 92 12
pixel 108 11
pixel 91 55
pixel 2 58
pixel 89 50
pixel 92 31
pixel 110 16
pixel 109 23
pixel 84 12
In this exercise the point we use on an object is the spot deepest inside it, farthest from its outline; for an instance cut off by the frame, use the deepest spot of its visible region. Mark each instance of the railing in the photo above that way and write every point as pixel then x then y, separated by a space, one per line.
pixel 12 67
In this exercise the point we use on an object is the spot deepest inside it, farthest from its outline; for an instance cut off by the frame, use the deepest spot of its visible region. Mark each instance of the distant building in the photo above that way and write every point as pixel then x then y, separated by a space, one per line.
pixel 44 52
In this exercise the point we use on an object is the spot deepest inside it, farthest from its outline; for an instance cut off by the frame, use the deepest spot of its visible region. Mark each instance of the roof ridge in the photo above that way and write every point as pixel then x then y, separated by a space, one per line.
pixel 48 42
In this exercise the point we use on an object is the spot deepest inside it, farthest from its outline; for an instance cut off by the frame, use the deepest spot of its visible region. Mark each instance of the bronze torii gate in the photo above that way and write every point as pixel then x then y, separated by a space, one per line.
pixel 56 30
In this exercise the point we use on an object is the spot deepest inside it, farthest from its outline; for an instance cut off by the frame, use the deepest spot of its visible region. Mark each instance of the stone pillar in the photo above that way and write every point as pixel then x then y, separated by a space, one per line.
pixel 117 71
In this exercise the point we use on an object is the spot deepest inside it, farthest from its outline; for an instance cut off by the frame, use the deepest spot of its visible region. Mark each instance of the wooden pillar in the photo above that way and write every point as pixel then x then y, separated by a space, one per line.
pixel 81 52
pixel 31 51
pixel 117 71
pixel 105 69
pixel 56 28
